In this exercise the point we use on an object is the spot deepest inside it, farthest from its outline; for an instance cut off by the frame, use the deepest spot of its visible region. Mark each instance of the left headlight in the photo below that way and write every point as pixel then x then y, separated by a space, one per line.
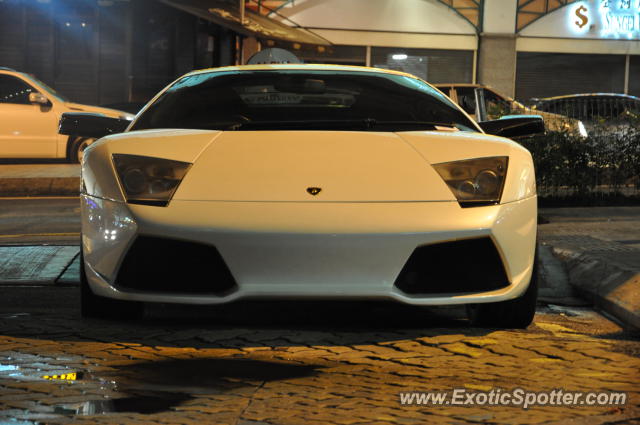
pixel 475 182
pixel 147 180
pixel 582 130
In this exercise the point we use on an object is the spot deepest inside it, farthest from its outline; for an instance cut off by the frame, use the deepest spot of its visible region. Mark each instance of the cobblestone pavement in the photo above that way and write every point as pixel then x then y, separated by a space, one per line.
pixel 297 363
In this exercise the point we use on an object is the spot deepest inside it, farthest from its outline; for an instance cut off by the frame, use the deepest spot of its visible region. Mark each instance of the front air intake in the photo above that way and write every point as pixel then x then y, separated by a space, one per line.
pixel 155 264
pixel 467 266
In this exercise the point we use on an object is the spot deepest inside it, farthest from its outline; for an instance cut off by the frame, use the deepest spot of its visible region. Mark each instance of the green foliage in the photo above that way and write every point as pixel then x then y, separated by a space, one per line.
pixel 604 167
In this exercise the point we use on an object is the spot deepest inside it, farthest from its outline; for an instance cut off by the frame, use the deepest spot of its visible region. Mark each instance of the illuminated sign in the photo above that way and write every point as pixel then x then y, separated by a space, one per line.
pixel 580 18
pixel 620 17
pixel 605 18
pixel 64 377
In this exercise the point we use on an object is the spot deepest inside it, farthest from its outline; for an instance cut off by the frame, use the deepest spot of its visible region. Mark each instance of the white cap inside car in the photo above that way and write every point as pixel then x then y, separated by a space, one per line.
pixel 273 55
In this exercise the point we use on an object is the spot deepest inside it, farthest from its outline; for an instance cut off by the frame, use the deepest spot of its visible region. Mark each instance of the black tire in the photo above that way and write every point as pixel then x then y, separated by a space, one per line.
pixel 516 313
pixel 92 305
pixel 77 147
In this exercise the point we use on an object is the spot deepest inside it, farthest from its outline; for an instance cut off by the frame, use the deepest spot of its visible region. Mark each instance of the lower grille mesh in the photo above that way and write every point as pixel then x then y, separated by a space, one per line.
pixel 466 266
pixel 165 265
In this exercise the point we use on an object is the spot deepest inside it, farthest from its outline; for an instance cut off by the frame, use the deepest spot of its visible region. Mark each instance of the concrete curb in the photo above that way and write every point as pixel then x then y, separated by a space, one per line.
pixel 554 286
pixel 611 288
pixel 40 186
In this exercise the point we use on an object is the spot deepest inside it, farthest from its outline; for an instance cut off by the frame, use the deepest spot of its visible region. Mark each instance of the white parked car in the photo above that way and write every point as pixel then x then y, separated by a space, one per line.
pixel 496 105
pixel 310 181
pixel 29 115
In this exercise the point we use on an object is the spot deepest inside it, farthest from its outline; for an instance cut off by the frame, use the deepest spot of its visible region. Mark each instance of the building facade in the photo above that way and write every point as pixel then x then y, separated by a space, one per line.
pixel 583 46
pixel 111 51
pixel 100 52
pixel 523 48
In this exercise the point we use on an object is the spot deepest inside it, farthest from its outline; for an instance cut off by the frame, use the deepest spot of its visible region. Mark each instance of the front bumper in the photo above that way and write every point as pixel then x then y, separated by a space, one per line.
pixel 308 249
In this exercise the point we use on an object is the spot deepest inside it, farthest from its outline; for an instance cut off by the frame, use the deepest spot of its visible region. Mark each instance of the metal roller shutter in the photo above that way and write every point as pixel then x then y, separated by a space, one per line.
pixel 435 66
pixel 342 55
pixel 634 76
pixel 12 34
pixel 555 74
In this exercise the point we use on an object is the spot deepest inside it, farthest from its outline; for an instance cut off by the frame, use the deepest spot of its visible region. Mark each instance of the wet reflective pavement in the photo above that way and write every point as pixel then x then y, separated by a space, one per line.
pixel 295 363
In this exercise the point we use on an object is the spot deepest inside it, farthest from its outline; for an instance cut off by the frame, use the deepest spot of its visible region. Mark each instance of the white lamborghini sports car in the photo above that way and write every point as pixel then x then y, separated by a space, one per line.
pixel 310 181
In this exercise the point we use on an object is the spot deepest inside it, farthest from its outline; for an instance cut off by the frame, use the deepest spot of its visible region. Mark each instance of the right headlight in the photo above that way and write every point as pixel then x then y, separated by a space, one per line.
pixel 148 180
pixel 475 182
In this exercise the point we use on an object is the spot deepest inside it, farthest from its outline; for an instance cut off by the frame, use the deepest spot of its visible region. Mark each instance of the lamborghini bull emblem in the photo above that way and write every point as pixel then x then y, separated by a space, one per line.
pixel 313 190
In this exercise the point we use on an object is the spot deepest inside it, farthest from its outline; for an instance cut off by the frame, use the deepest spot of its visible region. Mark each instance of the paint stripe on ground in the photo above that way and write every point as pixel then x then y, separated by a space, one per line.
pixel 34 264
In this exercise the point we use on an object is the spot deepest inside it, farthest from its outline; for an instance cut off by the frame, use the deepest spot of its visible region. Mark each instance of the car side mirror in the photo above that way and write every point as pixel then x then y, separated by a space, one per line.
pixel 39 98
pixel 85 124
pixel 514 126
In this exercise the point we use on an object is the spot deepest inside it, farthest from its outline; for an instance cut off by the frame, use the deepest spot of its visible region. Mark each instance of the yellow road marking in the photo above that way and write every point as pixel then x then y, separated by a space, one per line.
pixel 39 234
pixel 478 387
pixel 482 341
pixel 552 327
pixel 545 360
pixel 37 197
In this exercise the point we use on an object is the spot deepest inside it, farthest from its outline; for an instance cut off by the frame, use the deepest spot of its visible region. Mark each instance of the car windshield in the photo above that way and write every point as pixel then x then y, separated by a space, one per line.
pixel 48 89
pixel 303 100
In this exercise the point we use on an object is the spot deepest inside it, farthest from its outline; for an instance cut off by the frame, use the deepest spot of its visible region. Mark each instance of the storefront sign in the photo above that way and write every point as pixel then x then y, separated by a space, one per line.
pixel 605 18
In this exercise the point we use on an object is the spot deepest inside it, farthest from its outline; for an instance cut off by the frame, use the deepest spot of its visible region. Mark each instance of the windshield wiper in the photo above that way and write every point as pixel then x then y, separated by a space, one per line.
pixel 364 124
pixel 432 124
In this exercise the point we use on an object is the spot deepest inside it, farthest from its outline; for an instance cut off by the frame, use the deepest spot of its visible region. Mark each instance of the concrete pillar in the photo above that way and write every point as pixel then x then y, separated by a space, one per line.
pixel 225 49
pixel 250 46
pixel 497 62
pixel 497 46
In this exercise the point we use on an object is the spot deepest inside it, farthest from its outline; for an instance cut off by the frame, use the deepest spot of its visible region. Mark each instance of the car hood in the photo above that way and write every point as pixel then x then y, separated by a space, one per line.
pixel 114 113
pixel 280 166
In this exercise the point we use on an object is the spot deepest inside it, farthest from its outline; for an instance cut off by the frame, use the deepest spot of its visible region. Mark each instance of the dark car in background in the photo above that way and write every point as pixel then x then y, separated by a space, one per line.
pixel 593 108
